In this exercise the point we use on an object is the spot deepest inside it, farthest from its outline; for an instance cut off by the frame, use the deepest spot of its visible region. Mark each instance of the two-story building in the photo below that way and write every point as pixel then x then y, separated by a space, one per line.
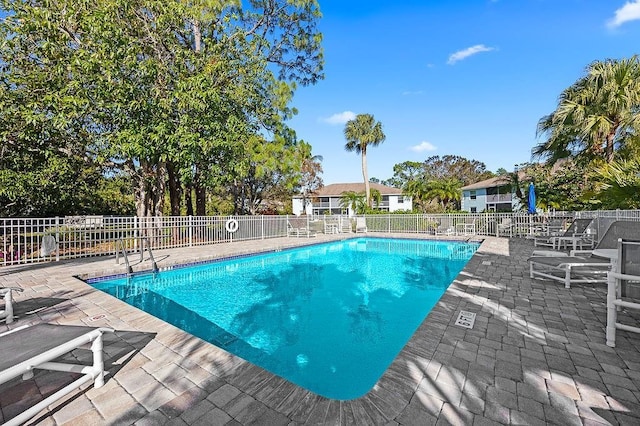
pixel 493 194
pixel 328 199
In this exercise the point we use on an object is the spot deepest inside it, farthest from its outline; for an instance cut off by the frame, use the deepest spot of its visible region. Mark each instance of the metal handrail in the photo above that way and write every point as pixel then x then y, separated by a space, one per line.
pixel 144 243
pixel 124 254
pixel 144 240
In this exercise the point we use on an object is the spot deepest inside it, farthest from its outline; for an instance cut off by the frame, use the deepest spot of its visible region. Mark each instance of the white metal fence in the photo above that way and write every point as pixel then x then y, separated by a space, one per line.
pixel 24 240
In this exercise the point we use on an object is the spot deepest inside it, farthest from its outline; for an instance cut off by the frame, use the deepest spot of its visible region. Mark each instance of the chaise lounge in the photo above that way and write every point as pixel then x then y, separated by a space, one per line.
pixel 583 266
pixel 27 348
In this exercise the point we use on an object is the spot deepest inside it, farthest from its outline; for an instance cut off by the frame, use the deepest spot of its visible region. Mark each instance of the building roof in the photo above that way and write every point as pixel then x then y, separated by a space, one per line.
pixel 336 189
pixel 493 182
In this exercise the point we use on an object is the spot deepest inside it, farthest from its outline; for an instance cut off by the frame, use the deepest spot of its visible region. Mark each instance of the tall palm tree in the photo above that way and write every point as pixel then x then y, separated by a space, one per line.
pixel 595 114
pixel 362 132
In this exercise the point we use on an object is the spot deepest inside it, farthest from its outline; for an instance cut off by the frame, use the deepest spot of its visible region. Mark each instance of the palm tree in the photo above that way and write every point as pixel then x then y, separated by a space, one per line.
pixel 444 190
pixel 353 200
pixel 361 132
pixel 376 197
pixel 595 114
pixel 618 184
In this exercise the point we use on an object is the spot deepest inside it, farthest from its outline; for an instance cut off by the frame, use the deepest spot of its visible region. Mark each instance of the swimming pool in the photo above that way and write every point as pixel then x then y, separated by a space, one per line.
pixel 329 317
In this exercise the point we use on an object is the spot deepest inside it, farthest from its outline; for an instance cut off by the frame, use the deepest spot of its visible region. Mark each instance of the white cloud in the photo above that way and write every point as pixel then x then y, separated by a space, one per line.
pixel 340 118
pixel 423 146
pixel 469 51
pixel 629 12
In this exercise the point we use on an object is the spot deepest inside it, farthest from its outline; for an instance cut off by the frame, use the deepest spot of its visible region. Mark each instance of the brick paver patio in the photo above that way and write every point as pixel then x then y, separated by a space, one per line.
pixel 536 355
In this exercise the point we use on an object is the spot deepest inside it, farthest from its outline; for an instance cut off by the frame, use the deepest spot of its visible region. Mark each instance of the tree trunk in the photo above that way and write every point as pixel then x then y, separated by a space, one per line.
pixel 608 149
pixel 188 190
pixel 159 187
pixel 174 189
pixel 197 36
pixel 201 201
pixel 365 175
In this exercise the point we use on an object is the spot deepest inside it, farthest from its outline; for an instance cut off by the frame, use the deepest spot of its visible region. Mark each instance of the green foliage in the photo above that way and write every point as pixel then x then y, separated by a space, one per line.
pixel 618 184
pixel 169 92
pixel 435 183
pixel 595 116
pixel 561 187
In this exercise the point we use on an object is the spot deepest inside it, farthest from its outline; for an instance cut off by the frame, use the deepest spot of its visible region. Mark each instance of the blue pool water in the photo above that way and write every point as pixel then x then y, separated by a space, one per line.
pixel 328 317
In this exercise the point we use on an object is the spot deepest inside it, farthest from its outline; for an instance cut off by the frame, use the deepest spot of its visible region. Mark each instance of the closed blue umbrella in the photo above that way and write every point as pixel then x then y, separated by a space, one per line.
pixel 532 199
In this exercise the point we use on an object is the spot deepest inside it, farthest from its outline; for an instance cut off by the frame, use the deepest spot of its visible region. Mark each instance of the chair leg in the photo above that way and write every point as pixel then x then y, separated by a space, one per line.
pixel 612 314
pixel 530 270
pixel 8 307
pixel 98 361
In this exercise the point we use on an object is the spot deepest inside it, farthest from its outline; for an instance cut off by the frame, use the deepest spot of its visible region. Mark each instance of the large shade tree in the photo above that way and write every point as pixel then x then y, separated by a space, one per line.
pixel 169 92
pixel 362 132
pixel 595 115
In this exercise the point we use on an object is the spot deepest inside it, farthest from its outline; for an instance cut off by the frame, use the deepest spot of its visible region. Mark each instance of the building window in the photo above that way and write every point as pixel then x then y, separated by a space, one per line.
pixel 474 210
pixel 400 199
pixel 324 199
pixel 472 195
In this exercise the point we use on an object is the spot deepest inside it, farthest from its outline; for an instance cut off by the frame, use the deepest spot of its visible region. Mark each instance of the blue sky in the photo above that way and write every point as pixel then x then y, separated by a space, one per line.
pixel 467 77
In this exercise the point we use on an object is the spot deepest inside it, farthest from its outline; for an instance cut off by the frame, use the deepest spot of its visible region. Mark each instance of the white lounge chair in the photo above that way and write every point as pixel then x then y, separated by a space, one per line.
pixel 445 227
pixel 623 288
pixel 577 228
pixel 7 294
pixel 299 227
pixel 361 224
pixel 332 225
pixel 505 226
pixel 468 227
pixel 24 349
pixel 582 266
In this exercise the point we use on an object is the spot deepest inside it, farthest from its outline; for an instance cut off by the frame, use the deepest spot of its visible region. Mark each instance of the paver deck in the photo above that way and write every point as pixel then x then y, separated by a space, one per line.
pixel 536 355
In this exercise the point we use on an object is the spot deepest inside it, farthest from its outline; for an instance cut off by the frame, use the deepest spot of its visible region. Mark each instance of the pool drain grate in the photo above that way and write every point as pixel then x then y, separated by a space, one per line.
pixel 466 319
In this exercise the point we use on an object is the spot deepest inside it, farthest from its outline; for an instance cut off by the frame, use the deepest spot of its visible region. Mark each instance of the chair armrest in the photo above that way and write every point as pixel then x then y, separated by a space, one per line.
pixel 580 252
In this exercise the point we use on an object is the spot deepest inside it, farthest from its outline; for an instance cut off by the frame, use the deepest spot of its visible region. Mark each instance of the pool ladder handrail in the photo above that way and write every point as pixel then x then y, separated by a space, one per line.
pixel 120 248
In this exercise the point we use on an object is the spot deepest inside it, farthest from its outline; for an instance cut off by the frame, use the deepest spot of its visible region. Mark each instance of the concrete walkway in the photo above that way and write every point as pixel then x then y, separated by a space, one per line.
pixel 536 355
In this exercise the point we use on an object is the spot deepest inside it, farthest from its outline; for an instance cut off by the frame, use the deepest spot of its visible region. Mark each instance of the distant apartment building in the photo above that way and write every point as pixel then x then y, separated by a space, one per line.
pixel 493 195
pixel 328 199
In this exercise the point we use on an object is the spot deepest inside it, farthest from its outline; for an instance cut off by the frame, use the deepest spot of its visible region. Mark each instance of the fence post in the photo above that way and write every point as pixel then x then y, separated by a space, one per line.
pixel 57 239
pixel 136 224
pixel 262 225
pixel 190 231
pixel 389 231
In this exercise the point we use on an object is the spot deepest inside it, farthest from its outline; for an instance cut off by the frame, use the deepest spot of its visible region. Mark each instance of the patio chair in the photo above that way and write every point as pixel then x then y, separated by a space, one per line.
pixel 24 349
pixel 505 226
pixel 577 227
pixel 298 227
pixel 7 294
pixel 332 225
pixel 583 266
pixel 445 227
pixel 361 224
pixel 581 239
pixel 468 227
pixel 623 288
